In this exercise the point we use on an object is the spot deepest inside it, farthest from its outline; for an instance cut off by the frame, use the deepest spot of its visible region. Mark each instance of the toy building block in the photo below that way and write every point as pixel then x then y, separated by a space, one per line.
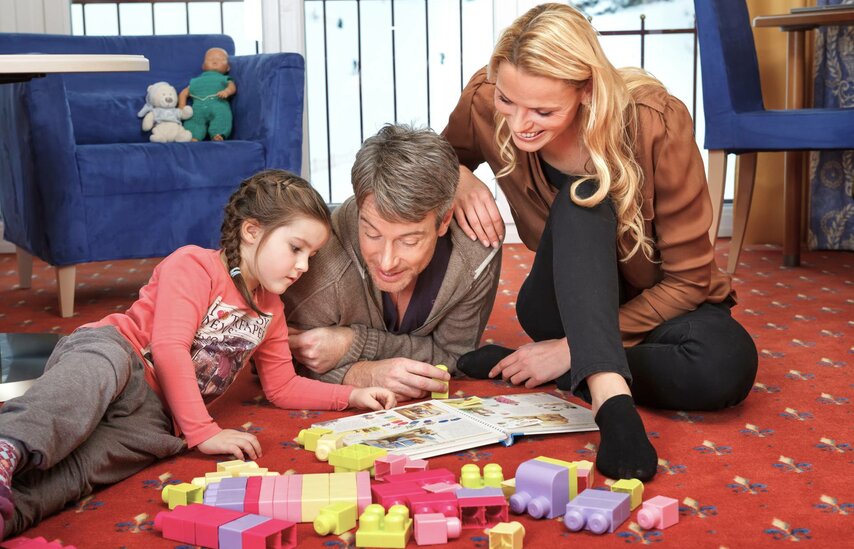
pixel 435 528
pixel 343 487
pixel 252 497
pixel 659 512
pixel 492 476
pixel 597 510
pixel 363 490
pixel 447 384
pixel 389 464
pixel 438 487
pixel 481 507
pixel 308 437
pixel 195 524
pixel 394 493
pixel 506 535
pixel 182 494
pixel 508 487
pixel 231 533
pixel 585 475
pixel 380 529
pixel 356 457
pixel 541 489
pixel 572 467
pixel 445 503
pixel 335 518
pixel 294 507
pixel 327 443
pixel 315 495
pixel 259 472
pixel 429 476
pixel 33 543
pixel 265 498
pixel 235 466
pixel 414 465
pixel 271 534
pixel 280 497
pixel 633 487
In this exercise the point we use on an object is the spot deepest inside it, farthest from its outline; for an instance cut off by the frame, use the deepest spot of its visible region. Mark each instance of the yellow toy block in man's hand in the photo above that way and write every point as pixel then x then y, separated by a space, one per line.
pixel 447 384
pixel 175 495
pixel 308 437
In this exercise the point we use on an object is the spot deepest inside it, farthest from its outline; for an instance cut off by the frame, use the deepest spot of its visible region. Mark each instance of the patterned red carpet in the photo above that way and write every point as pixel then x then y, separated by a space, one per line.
pixel 776 469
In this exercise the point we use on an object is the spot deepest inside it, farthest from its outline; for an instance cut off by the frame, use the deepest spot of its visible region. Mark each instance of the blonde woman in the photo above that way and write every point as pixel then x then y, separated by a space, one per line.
pixel 606 183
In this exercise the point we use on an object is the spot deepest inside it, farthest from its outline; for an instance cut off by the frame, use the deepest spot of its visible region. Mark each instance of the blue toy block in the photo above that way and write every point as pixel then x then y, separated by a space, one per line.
pixel 231 534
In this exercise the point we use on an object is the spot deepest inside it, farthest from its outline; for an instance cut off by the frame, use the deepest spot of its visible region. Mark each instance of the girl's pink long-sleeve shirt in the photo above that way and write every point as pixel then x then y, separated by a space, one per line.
pixel 195 332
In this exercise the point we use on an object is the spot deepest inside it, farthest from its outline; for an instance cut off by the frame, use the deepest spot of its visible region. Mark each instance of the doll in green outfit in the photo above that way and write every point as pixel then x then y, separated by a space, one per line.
pixel 210 92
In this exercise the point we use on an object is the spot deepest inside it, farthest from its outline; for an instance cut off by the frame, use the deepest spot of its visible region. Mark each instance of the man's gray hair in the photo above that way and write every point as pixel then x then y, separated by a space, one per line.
pixel 409 171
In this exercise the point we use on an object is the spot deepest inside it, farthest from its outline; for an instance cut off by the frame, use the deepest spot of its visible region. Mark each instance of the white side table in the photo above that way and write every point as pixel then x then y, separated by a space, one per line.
pixel 23 67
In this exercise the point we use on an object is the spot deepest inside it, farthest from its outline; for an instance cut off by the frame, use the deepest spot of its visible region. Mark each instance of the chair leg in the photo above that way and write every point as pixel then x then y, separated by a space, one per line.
pixel 717 175
pixel 744 180
pixel 792 208
pixel 65 277
pixel 25 268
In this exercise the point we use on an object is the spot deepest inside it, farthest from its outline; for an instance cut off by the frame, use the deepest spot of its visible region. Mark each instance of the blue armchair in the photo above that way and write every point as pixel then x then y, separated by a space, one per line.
pixel 79 179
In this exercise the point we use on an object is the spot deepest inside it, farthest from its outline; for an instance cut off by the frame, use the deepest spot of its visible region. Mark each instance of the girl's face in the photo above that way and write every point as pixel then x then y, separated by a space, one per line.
pixel 540 111
pixel 284 256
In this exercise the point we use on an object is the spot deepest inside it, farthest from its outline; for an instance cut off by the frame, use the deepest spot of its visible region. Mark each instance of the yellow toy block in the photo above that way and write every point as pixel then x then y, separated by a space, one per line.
pixel 492 476
pixel 182 494
pixel 261 472
pixel 342 487
pixel 235 466
pixel 378 529
pixel 308 437
pixel 573 473
pixel 328 443
pixel 447 385
pixel 356 457
pixel 506 535
pixel 315 495
pixel 633 487
pixel 216 476
pixel 508 487
pixel 335 518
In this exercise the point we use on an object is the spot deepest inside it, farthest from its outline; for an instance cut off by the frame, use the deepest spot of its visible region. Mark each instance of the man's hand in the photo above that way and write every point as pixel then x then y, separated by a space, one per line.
pixel 406 378
pixel 236 443
pixel 535 363
pixel 476 211
pixel 320 349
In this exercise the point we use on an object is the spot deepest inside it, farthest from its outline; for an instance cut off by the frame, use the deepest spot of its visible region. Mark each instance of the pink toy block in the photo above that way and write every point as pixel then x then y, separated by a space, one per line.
pixel 394 493
pixel 659 512
pixel 481 508
pixel 443 502
pixel 363 490
pixel 265 499
pixel 542 489
pixel 430 476
pixel 231 533
pixel 205 519
pixel 272 534
pixel 597 510
pixel 33 543
pixel 295 499
pixel 415 465
pixel 389 464
pixel 280 497
pixel 435 528
pixel 439 487
pixel 252 496
pixel 174 526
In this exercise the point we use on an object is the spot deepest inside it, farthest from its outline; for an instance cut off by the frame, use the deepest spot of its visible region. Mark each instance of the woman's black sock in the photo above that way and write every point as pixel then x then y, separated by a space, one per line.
pixel 480 362
pixel 624 449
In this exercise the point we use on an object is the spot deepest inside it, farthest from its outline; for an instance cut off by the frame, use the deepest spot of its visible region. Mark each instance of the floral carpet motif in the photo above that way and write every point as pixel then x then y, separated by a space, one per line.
pixel 779 468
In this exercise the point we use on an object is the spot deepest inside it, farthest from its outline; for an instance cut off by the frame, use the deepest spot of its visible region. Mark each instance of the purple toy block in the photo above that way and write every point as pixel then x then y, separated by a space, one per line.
pixel 658 512
pixel 599 511
pixel 231 499
pixel 231 534
pixel 541 489
pixel 229 484
pixel 463 493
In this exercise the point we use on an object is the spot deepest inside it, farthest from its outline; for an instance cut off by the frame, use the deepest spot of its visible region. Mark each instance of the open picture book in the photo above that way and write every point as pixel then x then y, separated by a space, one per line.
pixel 435 427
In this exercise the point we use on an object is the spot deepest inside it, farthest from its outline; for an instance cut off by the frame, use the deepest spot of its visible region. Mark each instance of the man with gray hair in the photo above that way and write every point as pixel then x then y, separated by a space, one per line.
pixel 399 288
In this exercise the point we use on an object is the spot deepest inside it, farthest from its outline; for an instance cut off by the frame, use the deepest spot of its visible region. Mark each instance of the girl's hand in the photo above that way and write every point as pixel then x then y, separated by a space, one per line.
pixel 535 363
pixel 236 443
pixel 375 398
pixel 476 211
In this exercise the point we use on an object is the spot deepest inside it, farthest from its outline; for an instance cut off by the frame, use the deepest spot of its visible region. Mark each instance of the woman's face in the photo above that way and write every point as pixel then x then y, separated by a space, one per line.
pixel 540 111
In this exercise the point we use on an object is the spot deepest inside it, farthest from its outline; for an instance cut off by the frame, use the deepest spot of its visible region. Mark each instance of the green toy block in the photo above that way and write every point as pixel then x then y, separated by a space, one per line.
pixel 354 458
pixel 335 518
pixel 182 494
pixel 378 529
pixel 308 437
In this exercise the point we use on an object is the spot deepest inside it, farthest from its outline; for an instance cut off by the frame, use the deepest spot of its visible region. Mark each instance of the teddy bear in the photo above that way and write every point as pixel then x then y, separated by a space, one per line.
pixel 162 116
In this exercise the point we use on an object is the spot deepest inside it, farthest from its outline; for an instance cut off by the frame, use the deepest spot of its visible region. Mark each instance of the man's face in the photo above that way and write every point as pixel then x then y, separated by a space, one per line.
pixel 397 252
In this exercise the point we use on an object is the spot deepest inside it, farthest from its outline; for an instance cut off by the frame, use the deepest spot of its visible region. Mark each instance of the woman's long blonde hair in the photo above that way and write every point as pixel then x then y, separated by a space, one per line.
pixel 557 41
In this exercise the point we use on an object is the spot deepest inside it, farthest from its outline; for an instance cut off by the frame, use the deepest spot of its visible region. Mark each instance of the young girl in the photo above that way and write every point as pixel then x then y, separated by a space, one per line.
pixel 105 406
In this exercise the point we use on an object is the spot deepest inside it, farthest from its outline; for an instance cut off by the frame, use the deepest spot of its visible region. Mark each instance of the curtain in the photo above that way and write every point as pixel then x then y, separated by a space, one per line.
pixel 831 223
